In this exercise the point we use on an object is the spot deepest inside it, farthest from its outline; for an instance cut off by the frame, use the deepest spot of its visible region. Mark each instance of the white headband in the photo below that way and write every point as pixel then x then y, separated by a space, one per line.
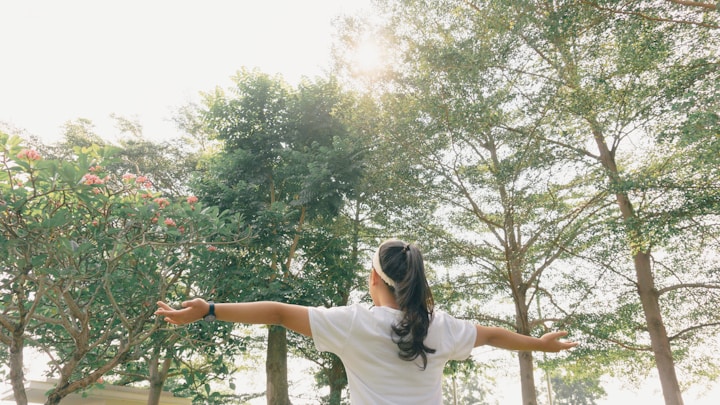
pixel 378 269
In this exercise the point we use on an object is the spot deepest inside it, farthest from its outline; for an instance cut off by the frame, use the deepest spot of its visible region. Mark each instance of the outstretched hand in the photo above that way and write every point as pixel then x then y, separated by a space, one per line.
pixel 191 311
pixel 551 342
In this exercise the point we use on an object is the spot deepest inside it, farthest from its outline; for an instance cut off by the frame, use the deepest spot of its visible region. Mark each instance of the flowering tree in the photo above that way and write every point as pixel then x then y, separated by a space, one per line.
pixel 88 255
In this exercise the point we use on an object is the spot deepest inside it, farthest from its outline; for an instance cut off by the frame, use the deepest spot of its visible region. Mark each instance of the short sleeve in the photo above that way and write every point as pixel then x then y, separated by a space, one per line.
pixel 331 327
pixel 464 334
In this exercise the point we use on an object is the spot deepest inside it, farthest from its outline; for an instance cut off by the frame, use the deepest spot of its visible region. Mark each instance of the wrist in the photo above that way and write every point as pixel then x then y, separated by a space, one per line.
pixel 210 312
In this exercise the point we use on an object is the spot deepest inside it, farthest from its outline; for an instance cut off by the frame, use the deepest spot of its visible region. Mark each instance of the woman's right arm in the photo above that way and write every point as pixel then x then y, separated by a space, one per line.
pixel 293 317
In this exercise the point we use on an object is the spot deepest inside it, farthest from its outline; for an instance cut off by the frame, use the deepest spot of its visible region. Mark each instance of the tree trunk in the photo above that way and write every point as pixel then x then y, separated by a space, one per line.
pixel 17 376
pixel 656 328
pixel 522 322
pixel 525 359
pixel 645 280
pixel 276 367
pixel 527 378
pixel 157 376
pixel 337 380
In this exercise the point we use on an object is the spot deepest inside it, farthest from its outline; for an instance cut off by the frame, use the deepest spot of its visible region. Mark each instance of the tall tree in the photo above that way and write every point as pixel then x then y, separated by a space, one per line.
pixel 286 167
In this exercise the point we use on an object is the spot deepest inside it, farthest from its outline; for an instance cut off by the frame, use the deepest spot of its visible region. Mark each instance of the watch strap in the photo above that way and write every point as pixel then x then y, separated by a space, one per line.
pixel 211 313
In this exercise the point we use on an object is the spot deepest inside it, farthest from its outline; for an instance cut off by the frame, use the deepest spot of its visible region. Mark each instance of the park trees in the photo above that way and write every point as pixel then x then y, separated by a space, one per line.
pixel 617 80
pixel 89 253
pixel 610 102
pixel 474 175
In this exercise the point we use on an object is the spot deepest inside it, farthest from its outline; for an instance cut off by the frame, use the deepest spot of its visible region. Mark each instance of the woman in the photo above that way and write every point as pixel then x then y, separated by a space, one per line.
pixel 394 352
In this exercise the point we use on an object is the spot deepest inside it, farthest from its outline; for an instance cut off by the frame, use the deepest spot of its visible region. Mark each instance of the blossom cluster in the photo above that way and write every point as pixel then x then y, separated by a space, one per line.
pixel 135 183
pixel 91 179
pixel 29 154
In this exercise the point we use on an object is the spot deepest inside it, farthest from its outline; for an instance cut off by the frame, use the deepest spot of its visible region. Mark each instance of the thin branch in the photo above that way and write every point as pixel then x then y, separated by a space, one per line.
pixel 658 19
pixel 692 328
pixel 687 285
pixel 707 6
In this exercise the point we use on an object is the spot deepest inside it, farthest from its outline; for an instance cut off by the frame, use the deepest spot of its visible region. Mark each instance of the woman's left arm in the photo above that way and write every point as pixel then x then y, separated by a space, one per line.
pixel 509 340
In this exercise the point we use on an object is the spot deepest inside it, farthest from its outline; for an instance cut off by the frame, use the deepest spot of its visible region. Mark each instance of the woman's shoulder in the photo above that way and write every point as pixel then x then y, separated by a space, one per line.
pixel 352 308
pixel 442 317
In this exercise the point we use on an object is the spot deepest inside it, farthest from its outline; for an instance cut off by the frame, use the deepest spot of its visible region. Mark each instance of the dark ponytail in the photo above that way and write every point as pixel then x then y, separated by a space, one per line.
pixel 403 263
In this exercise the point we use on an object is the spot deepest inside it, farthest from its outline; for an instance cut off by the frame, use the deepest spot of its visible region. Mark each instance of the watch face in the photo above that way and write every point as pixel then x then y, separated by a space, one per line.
pixel 209 318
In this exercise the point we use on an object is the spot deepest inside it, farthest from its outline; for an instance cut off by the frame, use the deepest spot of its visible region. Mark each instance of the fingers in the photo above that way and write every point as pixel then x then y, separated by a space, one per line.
pixel 554 342
pixel 166 312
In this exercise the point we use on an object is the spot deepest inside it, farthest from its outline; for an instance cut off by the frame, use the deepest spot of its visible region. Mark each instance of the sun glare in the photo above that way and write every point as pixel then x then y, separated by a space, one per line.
pixel 368 57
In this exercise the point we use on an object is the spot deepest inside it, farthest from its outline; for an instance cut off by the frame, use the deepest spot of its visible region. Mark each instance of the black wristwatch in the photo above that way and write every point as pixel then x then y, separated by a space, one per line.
pixel 211 314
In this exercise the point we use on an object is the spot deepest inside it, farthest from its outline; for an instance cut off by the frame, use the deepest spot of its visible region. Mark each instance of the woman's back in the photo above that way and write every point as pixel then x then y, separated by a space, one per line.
pixel 363 339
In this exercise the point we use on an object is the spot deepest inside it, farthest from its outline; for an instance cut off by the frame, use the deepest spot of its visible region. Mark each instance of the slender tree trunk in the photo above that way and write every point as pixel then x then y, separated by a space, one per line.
pixel 527 378
pixel 17 376
pixel 525 359
pixel 337 380
pixel 647 292
pixel 157 375
pixel 656 327
pixel 276 367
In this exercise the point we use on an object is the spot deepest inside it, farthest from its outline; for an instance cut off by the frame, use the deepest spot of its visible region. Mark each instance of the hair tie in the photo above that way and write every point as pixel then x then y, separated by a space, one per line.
pixel 406 248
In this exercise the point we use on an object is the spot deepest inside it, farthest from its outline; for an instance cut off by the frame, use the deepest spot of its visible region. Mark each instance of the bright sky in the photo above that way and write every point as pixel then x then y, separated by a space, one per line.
pixel 62 60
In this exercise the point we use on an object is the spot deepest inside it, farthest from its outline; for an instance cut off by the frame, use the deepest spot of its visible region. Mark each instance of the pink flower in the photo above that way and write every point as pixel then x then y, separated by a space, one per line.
pixel 29 154
pixel 141 179
pixel 97 191
pixel 91 179
pixel 169 222
pixel 162 202
pixel 192 199
pixel 212 248
pixel 128 177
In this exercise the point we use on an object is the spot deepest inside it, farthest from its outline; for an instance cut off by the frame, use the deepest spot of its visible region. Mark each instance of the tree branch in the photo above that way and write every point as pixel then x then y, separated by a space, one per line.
pixel 659 19
pixel 707 6
pixel 692 328
pixel 687 285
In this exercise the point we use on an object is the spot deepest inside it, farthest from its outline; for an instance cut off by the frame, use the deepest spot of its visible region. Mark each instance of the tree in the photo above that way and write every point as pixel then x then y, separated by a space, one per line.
pixel 88 254
pixel 285 166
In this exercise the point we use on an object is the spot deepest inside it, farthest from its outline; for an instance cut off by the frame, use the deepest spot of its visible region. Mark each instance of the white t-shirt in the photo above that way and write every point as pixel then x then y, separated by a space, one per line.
pixel 362 338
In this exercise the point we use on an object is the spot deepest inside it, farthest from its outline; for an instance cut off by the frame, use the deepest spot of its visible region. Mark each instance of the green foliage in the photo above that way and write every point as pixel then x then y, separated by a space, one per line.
pixel 288 163
pixel 520 124
pixel 466 382
pixel 574 391
pixel 89 254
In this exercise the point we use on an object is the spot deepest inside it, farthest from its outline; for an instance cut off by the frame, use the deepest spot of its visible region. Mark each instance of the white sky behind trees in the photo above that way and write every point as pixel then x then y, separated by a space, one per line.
pixel 69 59
pixel 66 59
